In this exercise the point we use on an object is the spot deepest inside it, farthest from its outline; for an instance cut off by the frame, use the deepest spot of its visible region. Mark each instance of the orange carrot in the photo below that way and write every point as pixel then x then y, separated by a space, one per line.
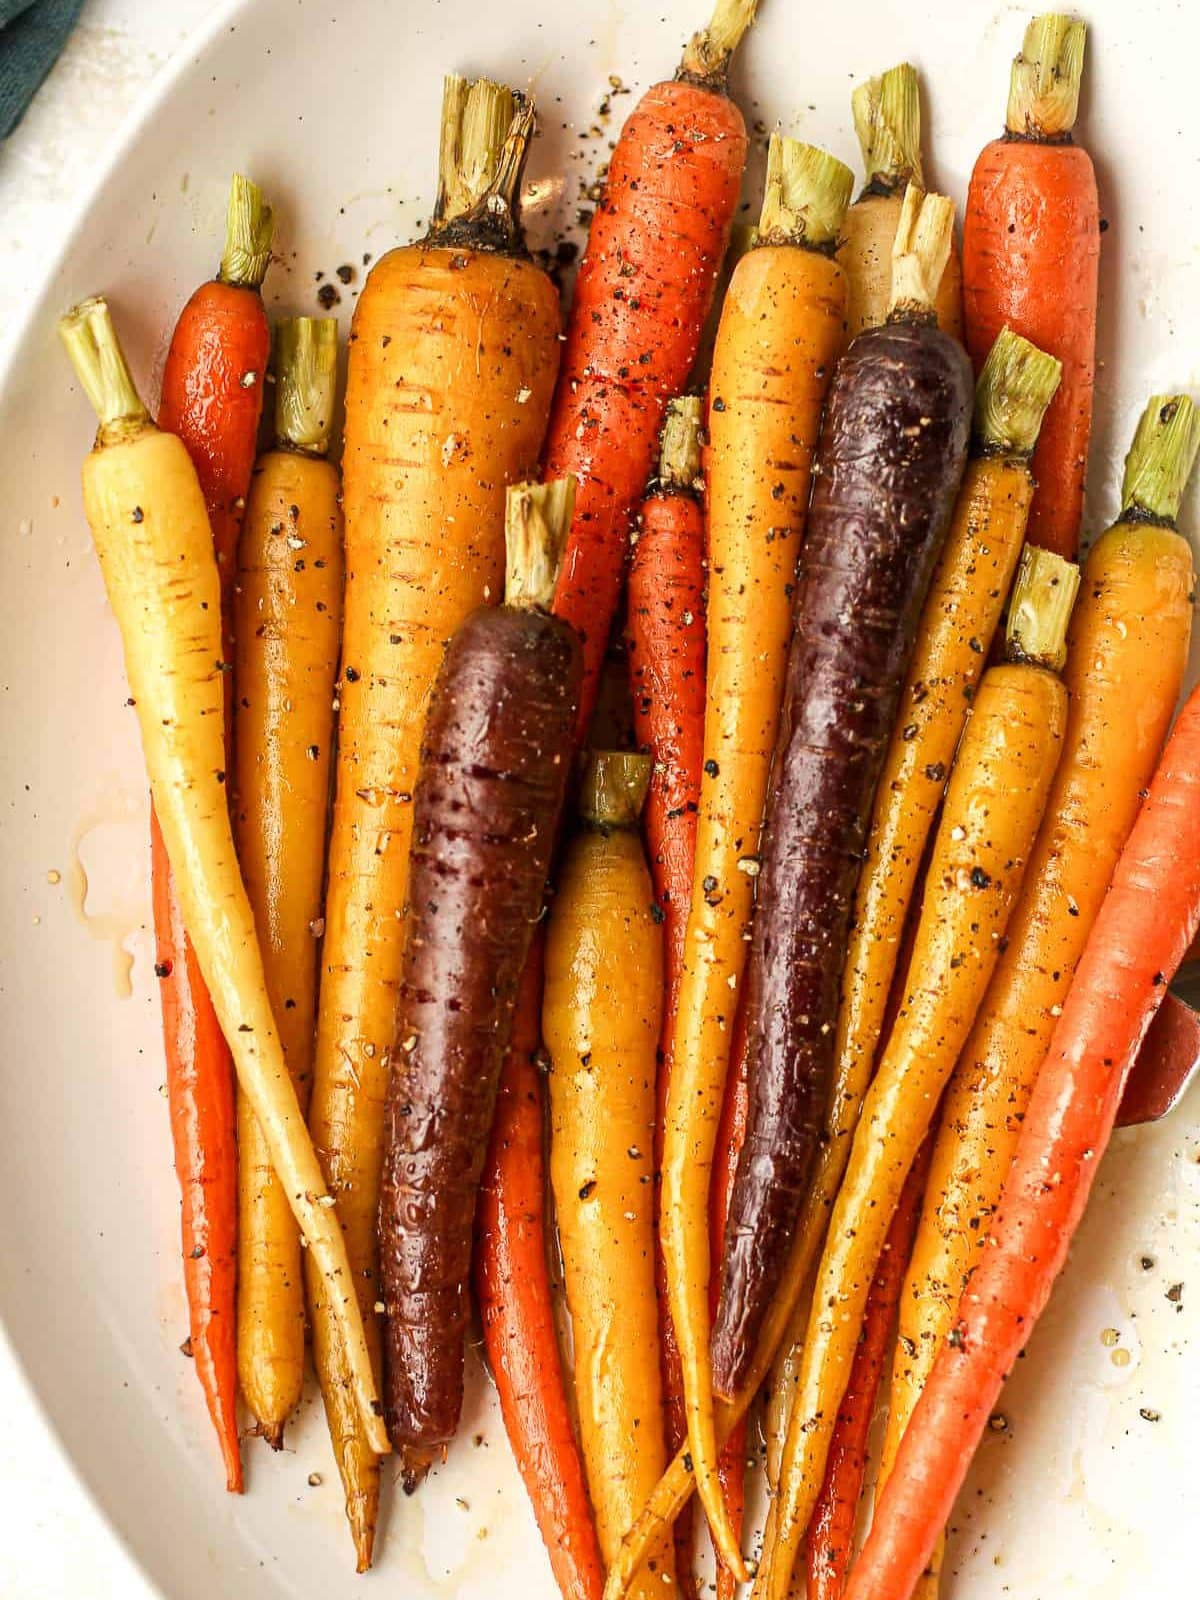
pixel 666 671
pixel 1031 251
pixel 512 1286
pixel 212 393
pixel 831 1531
pixel 1139 938
pixel 644 289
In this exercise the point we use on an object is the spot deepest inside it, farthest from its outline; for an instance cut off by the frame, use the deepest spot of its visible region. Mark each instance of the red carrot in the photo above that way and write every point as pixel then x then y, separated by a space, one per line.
pixel 212 392
pixel 666 670
pixel 644 289
pixel 512 1286
pixel 1137 942
pixel 831 1531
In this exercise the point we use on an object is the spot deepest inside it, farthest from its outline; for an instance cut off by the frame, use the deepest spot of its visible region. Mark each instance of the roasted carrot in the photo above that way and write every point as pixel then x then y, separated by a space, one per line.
pixel 830 1541
pixel 445 406
pixel 491 783
pixel 644 288
pixel 212 391
pixel 1128 649
pixel 152 535
pixel 1031 252
pixel 665 632
pixel 887 119
pixel 731 1135
pixel 601 1017
pixel 780 332
pixel 1149 917
pixel 891 457
pixel 287 630
pixel 512 1288
pixel 994 802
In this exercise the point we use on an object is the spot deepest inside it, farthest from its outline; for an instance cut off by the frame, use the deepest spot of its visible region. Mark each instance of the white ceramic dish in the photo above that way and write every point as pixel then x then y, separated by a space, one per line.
pixel 334 109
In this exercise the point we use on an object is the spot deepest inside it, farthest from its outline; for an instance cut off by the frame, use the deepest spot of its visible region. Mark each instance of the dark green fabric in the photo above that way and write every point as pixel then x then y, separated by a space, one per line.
pixel 32 32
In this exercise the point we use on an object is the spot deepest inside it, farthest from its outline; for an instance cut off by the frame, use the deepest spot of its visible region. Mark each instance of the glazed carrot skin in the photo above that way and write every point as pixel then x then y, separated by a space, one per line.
pixel 601 1017
pixel 1127 654
pixel 891 457
pixel 444 408
pixel 212 392
pixel 513 1292
pixel 835 1517
pixel 781 329
pixel 152 536
pixel 288 616
pixel 887 119
pixel 995 799
pixel 645 285
pixel 1143 930
pixel 1031 252
pixel 486 808
pixel 665 634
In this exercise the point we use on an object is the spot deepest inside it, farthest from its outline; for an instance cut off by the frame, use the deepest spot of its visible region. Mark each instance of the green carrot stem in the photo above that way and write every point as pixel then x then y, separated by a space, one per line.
pixel 613 788
pixel 537 521
pixel 1016 385
pixel 709 52
pixel 919 255
pixel 485 135
pixel 95 352
pixel 305 382
pixel 1040 609
pixel 249 230
pixel 887 119
pixel 679 444
pixel 1161 458
pixel 1043 96
pixel 806 195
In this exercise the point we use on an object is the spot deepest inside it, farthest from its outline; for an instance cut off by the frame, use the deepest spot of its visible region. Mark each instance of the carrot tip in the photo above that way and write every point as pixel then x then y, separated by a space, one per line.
pixel 887 119
pixel 273 1434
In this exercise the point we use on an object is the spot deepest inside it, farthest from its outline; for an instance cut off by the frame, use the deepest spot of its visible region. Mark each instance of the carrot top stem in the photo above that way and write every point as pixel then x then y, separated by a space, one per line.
pixel 919 255
pixel 537 519
pixel 1160 459
pixel 95 351
pixel 486 129
pixel 679 444
pixel 1043 96
pixel 613 788
pixel 305 382
pixel 249 230
pixel 1016 385
pixel 806 195
pixel 887 119
pixel 1043 598
pixel 709 52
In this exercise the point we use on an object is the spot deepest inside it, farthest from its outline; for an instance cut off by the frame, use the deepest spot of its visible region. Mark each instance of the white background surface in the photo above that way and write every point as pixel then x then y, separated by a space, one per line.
pixel 1084 1497
pixel 54 1545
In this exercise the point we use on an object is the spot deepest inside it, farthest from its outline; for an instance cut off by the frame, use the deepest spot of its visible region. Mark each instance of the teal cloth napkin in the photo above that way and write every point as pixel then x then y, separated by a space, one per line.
pixel 32 32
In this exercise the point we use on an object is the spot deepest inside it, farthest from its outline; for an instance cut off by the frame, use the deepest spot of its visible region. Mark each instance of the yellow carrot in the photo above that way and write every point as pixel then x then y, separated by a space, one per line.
pixel 780 332
pixel 288 616
pixel 994 802
pixel 601 1016
pixel 151 531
